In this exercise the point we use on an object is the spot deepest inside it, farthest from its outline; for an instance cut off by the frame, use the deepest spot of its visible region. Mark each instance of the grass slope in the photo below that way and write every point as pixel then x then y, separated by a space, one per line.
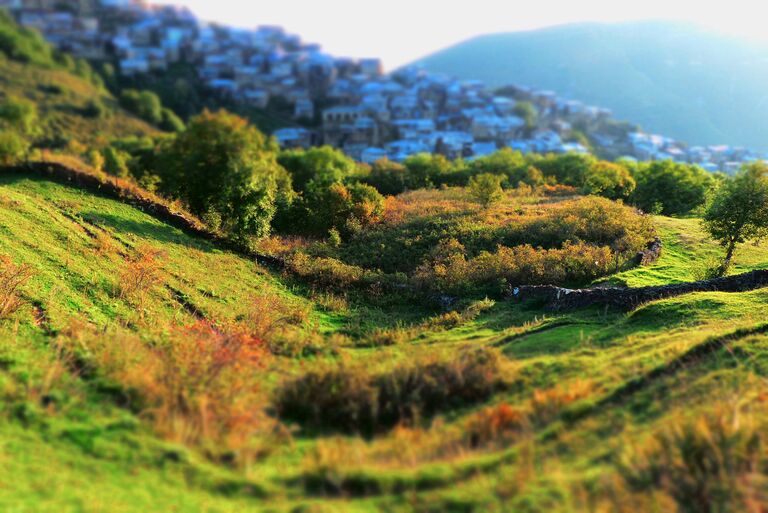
pixel 62 101
pixel 594 381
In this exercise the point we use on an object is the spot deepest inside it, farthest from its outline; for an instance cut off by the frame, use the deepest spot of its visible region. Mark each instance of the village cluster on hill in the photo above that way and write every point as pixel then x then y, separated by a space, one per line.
pixel 349 103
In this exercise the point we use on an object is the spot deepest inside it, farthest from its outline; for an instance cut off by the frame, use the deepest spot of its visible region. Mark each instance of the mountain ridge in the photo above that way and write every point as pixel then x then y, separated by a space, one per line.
pixel 666 76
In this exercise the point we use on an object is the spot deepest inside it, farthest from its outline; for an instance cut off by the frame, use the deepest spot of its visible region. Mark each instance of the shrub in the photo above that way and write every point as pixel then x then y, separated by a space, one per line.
pixel 511 165
pixel 116 162
pixel 145 104
pixel 270 315
pixel 13 147
pixel 494 424
pixel 519 265
pixel 347 398
pixel 705 463
pixel 96 109
pixel 611 181
pixel 198 384
pixel 141 274
pixel 19 114
pixel 171 122
pixel 388 177
pixel 425 170
pixel 486 188
pixel 23 45
pixel 12 278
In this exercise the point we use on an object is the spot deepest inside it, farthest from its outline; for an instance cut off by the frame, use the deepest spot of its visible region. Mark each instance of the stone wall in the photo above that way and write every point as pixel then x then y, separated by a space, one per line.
pixel 558 298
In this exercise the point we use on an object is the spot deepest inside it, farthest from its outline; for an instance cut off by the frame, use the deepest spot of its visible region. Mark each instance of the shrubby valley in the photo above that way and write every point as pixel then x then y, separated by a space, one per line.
pixel 194 318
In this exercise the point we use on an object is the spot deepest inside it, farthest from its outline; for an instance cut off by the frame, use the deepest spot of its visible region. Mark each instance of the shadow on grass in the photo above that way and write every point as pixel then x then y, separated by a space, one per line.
pixel 157 231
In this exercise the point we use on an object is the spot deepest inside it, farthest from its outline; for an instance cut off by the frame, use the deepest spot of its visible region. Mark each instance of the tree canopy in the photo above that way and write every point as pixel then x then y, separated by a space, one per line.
pixel 738 211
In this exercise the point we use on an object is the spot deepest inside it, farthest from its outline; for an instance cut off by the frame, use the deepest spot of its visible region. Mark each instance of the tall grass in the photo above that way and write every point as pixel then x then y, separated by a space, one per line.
pixel 712 463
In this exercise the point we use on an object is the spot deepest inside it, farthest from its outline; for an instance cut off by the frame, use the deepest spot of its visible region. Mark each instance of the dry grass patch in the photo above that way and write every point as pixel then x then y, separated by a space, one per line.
pixel 12 279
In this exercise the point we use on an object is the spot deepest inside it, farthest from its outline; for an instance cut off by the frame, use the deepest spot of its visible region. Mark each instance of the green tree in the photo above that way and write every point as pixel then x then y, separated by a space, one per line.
pixel 671 188
pixel 426 170
pixel 322 166
pixel 569 169
pixel 510 164
pixel 609 180
pixel 388 177
pixel 224 168
pixel 738 211
pixel 486 188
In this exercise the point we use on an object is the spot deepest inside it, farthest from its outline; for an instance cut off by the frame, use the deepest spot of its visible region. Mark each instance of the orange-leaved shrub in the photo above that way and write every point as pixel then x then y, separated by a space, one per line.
pixel 449 270
pixel 141 273
pixel 197 384
pixel 495 424
pixel 12 278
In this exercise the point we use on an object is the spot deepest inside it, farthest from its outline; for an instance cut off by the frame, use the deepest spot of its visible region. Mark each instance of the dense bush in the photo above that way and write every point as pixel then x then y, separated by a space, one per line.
pixel 486 188
pixel 318 167
pixel 611 181
pixel 349 399
pixel 345 209
pixel 388 177
pixel 449 270
pixel 510 164
pixel 670 188
pixel 426 170
pixel 145 104
pixel 13 147
pixel 569 169
pixel 171 122
pixel 116 162
pixel 404 245
pixel 19 114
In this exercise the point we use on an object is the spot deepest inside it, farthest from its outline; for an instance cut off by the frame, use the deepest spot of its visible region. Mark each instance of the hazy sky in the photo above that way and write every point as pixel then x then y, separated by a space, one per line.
pixel 400 31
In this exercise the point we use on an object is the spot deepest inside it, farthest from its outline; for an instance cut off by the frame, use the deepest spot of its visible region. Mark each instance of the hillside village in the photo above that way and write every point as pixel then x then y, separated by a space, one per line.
pixel 348 103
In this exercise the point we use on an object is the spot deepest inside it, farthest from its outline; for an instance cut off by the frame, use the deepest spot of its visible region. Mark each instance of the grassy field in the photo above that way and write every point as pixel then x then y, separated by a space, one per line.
pixel 577 408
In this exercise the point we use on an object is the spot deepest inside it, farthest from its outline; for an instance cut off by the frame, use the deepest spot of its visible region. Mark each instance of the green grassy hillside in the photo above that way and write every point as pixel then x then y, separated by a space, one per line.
pixel 670 78
pixel 559 411
pixel 70 101
pixel 65 104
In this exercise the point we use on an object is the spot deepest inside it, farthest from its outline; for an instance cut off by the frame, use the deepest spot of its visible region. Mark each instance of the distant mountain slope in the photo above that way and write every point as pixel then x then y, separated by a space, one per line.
pixel 672 78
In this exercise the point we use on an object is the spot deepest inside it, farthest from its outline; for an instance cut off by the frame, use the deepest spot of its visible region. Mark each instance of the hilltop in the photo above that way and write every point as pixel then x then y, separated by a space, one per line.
pixel 672 78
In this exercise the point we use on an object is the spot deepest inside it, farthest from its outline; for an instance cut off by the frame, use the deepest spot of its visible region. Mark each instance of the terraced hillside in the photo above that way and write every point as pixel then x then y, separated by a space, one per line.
pixel 115 368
